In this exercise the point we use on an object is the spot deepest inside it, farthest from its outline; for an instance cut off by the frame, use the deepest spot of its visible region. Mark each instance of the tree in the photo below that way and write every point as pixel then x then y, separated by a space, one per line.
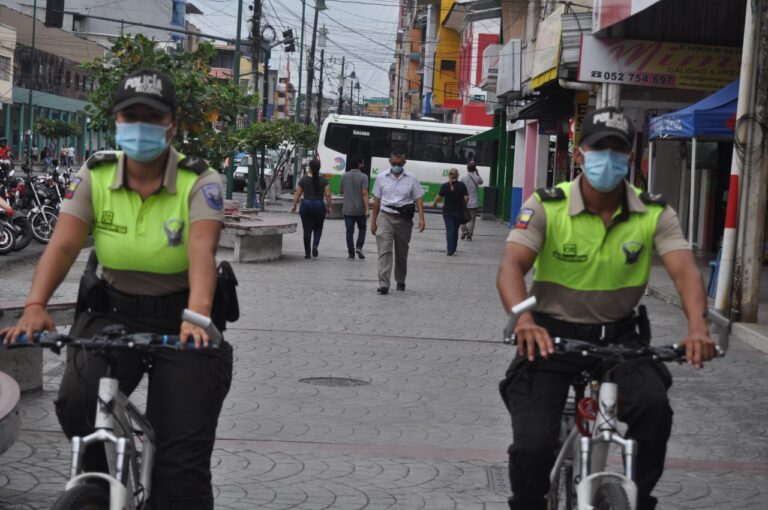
pixel 56 128
pixel 206 105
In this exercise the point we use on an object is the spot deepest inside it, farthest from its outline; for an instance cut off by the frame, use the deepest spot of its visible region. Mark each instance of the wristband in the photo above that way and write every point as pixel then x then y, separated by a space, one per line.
pixel 34 303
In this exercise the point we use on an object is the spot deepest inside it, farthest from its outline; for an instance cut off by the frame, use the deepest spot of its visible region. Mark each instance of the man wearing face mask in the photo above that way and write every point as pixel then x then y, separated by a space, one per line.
pixel 156 217
pixel 397 195
pixel 591 241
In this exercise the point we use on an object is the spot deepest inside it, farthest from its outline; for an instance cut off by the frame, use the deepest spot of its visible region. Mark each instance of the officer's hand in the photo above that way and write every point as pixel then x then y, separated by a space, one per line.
pixel 194 333
pixel 374 228
pixel 529 337
pixel 421 225
pixel 34 320
pixel 293 209
pixel 698 349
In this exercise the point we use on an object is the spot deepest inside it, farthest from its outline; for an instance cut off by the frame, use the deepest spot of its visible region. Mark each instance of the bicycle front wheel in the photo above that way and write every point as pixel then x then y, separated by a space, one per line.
pixel 560 496
pixel 87 496
pixel 610 496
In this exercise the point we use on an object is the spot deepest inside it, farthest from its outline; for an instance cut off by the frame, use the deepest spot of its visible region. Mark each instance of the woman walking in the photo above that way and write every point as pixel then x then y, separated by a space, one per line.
pixel 312 211
pixel 456 197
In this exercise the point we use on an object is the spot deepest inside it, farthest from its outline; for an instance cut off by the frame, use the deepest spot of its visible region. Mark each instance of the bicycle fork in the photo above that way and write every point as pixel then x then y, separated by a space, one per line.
pixel 593 453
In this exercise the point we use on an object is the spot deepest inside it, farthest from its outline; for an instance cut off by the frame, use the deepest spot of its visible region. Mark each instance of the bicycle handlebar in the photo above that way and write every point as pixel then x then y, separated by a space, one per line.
pixel 135 341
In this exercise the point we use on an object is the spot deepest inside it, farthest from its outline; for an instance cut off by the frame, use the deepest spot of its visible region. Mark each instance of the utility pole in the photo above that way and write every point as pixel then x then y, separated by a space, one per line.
pixel 311 62
pixel 236 78
pixel 728 278
pixel 351 102
pixel 250 182
pixel 32 83
pixel 341 88
pixel 755 184
pixel 301 61
pixel 320 90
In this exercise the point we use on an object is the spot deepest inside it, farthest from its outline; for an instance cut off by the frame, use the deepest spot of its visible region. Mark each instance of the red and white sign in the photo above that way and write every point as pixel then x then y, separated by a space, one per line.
pixel 657 63
pixel 606 13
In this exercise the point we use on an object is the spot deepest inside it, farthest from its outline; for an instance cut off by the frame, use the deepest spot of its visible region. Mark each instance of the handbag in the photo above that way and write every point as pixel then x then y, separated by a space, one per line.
pixel 466 214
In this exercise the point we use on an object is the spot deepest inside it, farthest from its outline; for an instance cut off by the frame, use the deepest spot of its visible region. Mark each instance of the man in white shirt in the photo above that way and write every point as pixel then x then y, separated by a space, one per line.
pixel 71 156
pixel 396 194
pixel 472 181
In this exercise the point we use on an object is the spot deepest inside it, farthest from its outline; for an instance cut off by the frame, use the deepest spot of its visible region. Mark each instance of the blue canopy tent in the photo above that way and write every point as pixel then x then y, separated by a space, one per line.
pixel 711 119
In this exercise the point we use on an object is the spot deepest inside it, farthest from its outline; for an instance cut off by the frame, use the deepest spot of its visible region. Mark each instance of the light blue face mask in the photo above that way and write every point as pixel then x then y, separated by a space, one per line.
pixel 397 169
pixel 141 141
pixel 605 169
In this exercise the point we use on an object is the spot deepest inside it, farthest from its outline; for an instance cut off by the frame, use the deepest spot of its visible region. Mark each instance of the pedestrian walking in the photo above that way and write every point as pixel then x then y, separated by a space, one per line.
pixel 472 181
pixel 71 156
pixel 313 210
pixel 354 188
pixel 456 196
pixel 397 195
pixel 35 152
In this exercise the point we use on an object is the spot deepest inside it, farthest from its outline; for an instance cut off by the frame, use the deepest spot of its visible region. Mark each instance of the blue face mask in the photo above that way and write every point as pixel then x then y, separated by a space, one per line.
pixel 141 141
pixel 605 169
pixel 397 169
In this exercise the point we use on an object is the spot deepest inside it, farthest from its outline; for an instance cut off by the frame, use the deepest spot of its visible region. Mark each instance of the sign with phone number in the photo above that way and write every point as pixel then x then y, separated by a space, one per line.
pixel 649 79
pixel 657 63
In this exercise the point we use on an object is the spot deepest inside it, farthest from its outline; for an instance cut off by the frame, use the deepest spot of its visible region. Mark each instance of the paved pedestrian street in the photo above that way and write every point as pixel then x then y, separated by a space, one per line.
pixel 345 399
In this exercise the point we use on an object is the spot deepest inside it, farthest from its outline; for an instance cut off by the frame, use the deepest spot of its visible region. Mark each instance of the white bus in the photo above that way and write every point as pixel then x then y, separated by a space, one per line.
pixel 430 148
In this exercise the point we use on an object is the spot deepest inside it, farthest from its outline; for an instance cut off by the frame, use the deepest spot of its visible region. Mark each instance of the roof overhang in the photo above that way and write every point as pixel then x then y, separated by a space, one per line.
pixel 464 12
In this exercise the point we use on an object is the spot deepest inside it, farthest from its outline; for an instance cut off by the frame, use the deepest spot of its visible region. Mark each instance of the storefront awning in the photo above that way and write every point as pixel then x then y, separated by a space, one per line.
pixel 548 107
pixel 486 136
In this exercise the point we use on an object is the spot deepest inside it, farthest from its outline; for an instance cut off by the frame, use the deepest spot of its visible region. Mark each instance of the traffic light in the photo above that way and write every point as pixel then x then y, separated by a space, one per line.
pixel 54 13
pixel 288 44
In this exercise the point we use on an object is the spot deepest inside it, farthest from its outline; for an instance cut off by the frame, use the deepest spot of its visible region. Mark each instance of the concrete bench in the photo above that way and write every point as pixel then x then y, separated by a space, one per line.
pixel 9 411
pixel 256 238
pixel 26 365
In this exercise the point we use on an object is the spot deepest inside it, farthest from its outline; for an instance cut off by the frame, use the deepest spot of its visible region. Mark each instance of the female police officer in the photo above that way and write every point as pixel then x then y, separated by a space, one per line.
pixel 156 218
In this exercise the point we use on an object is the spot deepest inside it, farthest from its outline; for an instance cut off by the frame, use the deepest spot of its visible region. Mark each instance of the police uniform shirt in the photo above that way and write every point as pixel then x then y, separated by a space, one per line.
pixel 78 203
pixel 593 307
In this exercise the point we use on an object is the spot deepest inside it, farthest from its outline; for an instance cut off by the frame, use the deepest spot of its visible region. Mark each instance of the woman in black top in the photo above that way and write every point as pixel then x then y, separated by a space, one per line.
pixel 313 186
pixel 456 196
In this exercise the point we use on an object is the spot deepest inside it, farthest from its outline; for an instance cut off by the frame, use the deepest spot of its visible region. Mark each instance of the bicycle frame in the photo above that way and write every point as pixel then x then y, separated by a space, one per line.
pixel 115 418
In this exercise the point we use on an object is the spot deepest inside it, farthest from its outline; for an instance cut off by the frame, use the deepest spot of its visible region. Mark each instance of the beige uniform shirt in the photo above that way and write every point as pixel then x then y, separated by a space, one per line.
pixel 595 307
pixel 78 203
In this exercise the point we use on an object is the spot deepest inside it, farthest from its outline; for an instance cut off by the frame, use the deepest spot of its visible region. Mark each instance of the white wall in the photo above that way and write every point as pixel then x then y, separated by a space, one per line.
pixel 7 45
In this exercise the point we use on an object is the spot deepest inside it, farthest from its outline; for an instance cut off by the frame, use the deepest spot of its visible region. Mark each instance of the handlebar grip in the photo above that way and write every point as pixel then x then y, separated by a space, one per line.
pixel 204 322
pixel 175 343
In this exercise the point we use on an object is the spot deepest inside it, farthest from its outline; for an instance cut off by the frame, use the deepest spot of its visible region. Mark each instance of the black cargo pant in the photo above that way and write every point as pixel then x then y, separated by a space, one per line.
pixel 535 394
pixel 185 394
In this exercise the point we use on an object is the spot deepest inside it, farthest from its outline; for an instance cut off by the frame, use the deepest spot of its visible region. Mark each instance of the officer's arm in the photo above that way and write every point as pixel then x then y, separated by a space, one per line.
pixel 67 240
pixel 515 264
pixel 203 240
pixel 681 267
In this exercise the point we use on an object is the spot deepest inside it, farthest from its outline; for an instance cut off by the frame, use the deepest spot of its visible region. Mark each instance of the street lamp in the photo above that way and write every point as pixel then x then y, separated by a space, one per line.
pixel 357 103
pixel 319 6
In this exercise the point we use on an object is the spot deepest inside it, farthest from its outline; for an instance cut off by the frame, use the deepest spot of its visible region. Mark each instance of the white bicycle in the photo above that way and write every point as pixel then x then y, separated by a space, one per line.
pixel 123 430
pixel 589 424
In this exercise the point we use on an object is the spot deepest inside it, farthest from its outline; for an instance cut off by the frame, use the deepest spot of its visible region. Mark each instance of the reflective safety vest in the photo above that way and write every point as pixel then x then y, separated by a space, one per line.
pixel 131 234
pixel 582 254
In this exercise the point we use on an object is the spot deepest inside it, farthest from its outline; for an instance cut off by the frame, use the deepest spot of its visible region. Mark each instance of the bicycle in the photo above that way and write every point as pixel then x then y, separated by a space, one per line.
pixel 119 424
pixel 588 426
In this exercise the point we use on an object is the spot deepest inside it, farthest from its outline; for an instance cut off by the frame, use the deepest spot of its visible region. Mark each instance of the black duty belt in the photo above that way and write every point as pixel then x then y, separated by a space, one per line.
pixel 167 306
pixel 624 329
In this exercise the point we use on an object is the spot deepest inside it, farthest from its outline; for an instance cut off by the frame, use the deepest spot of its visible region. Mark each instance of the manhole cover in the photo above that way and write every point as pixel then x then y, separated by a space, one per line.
pixel 334 381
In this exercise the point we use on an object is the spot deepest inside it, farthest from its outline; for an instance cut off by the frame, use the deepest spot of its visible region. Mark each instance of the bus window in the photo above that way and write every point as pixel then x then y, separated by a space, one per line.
pixel 337 137
pixel 399 141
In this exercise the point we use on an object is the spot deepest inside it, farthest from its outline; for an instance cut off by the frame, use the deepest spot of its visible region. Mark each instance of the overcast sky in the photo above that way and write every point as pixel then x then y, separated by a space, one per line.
pixel 360 30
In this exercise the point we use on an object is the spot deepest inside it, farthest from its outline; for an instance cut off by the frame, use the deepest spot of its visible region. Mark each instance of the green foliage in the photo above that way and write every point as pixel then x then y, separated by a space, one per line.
pixel 56 128
pixel 273 134
pixel 206 105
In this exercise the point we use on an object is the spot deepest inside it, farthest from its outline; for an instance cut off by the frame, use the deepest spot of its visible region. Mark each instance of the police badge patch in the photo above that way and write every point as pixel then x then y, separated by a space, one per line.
pixel 213 196
pixel 71 187
pixel 174 231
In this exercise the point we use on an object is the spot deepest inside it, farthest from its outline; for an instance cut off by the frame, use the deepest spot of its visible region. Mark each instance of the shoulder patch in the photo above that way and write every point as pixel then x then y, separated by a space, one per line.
pixel 100 158
pixel 197 165
pixel 547 194
pixel 653 198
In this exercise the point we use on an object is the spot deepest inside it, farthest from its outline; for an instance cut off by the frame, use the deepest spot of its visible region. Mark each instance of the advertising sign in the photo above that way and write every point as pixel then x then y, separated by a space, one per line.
pixel 509 68
pixel 547 57
pixel 609 12
pixel 658 64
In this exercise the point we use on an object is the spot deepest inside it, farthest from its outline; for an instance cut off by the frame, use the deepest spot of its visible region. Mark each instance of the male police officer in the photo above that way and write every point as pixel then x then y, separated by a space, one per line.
pixel 591 240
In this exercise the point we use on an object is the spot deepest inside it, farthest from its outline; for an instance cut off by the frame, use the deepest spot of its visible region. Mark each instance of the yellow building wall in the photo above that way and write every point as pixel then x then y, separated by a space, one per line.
pixel 446 83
